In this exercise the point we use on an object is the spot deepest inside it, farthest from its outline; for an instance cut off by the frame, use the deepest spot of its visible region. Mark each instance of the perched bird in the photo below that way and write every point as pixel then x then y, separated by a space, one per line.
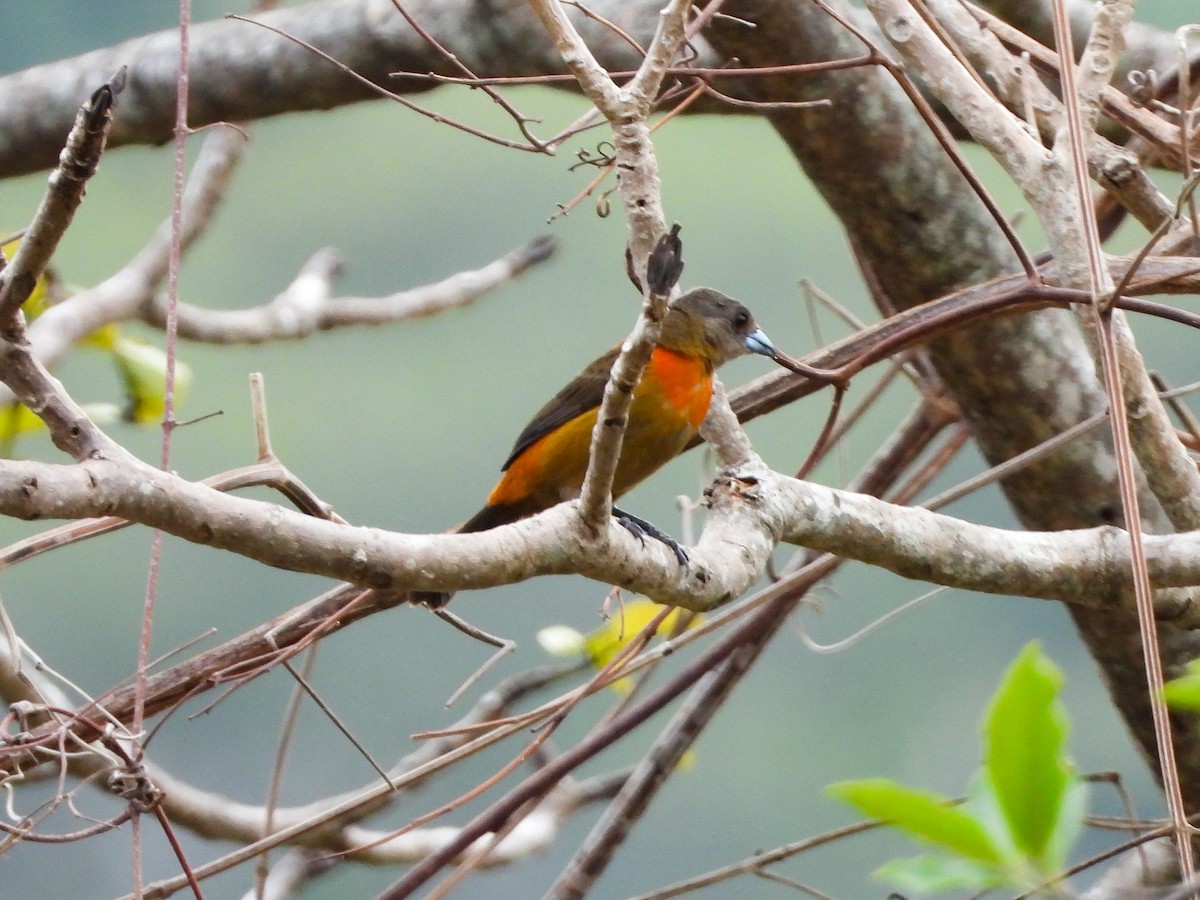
pixel 702 330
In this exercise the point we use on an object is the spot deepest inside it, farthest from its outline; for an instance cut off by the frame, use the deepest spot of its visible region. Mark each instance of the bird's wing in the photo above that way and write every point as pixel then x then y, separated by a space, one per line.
pixel 583 394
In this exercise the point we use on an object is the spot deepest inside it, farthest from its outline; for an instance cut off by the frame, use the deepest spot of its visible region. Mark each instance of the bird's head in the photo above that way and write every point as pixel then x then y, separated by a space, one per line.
pixel 706 323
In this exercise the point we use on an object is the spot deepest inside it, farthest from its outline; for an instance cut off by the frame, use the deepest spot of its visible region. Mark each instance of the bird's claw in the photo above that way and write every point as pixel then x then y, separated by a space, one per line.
pixel 641 529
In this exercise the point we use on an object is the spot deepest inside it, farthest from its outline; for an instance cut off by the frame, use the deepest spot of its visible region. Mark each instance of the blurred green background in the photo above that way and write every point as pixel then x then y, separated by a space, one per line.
pixel 403 427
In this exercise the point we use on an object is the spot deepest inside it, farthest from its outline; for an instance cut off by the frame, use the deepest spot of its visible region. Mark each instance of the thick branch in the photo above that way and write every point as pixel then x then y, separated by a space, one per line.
pixel 752 508
pixel 369 36
pixel 1148 48
pixel 1019 380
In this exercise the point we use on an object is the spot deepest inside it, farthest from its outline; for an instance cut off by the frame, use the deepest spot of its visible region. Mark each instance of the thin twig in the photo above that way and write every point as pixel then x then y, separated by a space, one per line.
pixel 1082 109
pixel 76 165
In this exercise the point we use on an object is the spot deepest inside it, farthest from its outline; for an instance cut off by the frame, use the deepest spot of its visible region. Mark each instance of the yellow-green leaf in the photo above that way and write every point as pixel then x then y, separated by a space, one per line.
pixel 1025 759
pixel 16 419
pixel 933 874
pixel 35 304
pixel 143 369
pixel 1184 692
pixel 630 620
pixel 922 814
pixel 601 645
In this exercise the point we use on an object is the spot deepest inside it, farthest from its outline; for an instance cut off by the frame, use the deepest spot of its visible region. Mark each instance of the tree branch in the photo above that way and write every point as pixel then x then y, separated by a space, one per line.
pixel 752 508
pixel 76 165
pixel 369 36
pixel 305 307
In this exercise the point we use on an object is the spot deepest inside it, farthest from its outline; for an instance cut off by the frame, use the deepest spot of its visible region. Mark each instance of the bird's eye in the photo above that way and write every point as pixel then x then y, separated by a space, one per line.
pixel 741 319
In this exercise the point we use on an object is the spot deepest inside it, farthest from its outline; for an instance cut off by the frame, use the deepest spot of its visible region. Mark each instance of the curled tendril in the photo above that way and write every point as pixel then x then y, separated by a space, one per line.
pixel 1143 86
pixel 605 155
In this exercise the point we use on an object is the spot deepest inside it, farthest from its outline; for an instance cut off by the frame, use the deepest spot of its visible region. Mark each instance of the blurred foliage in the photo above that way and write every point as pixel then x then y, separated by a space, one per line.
pixel 142 368
pixel 602 644
pixel 1183 693
pixel 1023 812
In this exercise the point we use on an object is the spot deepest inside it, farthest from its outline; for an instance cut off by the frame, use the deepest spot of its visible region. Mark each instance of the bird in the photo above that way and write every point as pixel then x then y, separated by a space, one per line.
pixel 701 330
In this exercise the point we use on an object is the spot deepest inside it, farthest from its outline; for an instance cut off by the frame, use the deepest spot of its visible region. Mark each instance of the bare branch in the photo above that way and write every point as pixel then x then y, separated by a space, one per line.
pixel 368 36
pixel 305 307
pixel 750 508
pixel 119 297
pixel 77 164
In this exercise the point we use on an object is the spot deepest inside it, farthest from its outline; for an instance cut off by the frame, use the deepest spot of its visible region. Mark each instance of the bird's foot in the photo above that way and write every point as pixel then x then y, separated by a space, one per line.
pixel 641 529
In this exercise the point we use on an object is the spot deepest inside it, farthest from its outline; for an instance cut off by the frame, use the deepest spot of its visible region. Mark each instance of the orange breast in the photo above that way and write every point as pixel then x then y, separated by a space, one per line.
pixel 668 406
pixel 682 384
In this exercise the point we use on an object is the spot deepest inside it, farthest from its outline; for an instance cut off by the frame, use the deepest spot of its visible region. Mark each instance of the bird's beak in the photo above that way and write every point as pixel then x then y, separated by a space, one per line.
pixel 757 342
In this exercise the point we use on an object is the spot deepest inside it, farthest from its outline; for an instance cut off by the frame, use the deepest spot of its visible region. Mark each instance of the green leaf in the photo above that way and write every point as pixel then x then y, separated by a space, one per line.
pixel 1025 807
pixel 1184 692
pixel 933 874
pixel 1021 870
pixel 143 369
pixel 922 814
pixel 985 807
pixel 1068 827
pixel 1025 763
